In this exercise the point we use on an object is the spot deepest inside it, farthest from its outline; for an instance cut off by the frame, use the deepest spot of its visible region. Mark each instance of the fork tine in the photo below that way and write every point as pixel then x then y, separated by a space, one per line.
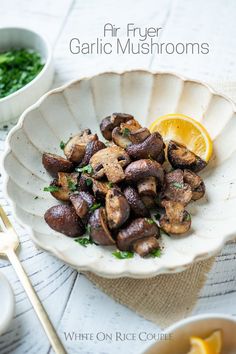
pixel 6 221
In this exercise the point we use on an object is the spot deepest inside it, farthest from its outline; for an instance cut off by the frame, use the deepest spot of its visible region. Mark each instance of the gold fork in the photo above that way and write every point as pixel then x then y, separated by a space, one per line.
pixel 9 242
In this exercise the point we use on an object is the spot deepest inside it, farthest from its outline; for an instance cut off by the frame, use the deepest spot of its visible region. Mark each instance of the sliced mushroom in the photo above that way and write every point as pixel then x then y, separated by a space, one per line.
pixel 109 123
pixel 196 183
pixel 82 202
pixel 109 162
pixel 151 148
pixel 177 220
pixel 63 219
pixel 120 138
pixel 136 204
pixel 143 168
pixel 137 229
pixel 180 157
pixel 175 188
pixel 75 147
pixel 91 148
pixel 147 189
pixel 99 231
pixel 145 246
pixel 137 136
pixel 67 183
pixel 117 208
pixel 55 163
pixel 131 125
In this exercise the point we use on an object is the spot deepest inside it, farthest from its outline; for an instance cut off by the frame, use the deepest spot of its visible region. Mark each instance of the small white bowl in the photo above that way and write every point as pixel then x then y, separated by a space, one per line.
pixel 13 105
pixel 178 335
pixel 7 302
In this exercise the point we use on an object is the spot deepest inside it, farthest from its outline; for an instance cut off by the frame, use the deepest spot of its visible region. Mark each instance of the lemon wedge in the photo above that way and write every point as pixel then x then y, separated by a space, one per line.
pixel 210 345
pixel 186 131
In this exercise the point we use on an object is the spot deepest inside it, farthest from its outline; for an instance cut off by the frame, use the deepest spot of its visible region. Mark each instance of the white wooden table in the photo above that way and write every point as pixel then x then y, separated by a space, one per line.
pixel 72 302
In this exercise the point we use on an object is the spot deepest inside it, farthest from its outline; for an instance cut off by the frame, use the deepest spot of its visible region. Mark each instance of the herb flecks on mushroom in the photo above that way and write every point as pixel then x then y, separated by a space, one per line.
pixel 117 208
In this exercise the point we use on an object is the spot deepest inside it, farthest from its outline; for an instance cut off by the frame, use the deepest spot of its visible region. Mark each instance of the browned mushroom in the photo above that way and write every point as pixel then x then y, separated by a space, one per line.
pixel 145 246
pixel 109 162
pixel 143 168
pixel 67 183
pixel 180 157
pixel 82 202
pixel 138 229
pixel 55 163
pixel 75 147
pixel 109 123
pixel 151 148
pixel 99 231
pixel 119 138
pixel 147 189
pixel 125 137
pixel 117 208
pixel 177 220
pixel 63 219
pixel 91 148
pixel 139 135
pixel 196 183
pixel 136 204
pixel 175 188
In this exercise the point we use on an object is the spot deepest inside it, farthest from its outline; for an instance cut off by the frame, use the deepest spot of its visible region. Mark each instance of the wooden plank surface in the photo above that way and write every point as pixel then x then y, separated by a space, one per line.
pixel 72 302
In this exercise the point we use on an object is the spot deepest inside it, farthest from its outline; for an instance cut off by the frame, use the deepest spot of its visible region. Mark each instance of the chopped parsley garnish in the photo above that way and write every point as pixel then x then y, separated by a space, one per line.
pixel 150 221
pixel 71 185
pixel 88 229
pixel 156 253
pixel 95 206
pixel 87 168
pixel 123 254
pixel 126 132
pixel 110 184
pixel 17 68
pixel 62 145
pixel 188 217
pixel 177 185
pixel 51 189
pixel 88 182
pixel 36 197
pixel 84 241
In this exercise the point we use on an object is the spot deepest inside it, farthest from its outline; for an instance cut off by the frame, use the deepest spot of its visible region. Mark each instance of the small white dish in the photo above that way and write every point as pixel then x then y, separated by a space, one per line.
pixel 7 304
pixel 82 104
pixel 178 335
pixel 13 105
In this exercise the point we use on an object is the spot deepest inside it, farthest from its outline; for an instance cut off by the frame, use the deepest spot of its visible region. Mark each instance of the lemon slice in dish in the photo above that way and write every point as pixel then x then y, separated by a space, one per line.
pixel 210 345
pixel 186 131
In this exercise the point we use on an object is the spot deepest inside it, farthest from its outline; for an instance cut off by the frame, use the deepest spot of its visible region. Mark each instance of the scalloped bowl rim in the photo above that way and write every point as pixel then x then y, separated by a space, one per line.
pixel 92 267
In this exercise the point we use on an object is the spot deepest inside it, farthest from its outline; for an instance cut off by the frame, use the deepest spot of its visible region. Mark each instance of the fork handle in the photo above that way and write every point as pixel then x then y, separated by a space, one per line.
pixel 38 307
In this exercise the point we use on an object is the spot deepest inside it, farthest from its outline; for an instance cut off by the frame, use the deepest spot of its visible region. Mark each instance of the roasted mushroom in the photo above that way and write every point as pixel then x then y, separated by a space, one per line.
pixel 196 183
pixel 151 148
pixel 136 204
pixel 67 183
pixel 109 162
pixel 119 138
pixel 75 147
pixel 99 231
pixel 117 208
pixel 177 220
pixel 55 163
pixel 138 229
pixel 143 168
pixel 63 218
pixel 175 188
pixel 91 148
pixel 82 202
pixel 145 246
pixel 180 157
pixel 147 189
pixel 109 123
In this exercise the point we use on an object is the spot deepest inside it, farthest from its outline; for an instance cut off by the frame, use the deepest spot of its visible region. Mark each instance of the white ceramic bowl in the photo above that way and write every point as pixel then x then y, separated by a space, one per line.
pixel 12 106
pixel 178 335
pixel 7 302
pixel 83 104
